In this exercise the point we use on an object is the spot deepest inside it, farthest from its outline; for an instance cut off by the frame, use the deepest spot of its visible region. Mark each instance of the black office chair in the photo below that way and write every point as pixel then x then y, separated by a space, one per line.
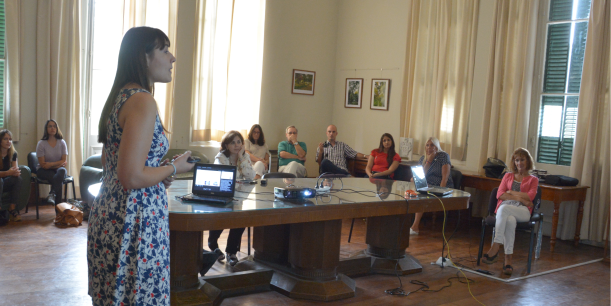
pixel 456 178
pixel 33 163
pixel 278 175
pixel 536 219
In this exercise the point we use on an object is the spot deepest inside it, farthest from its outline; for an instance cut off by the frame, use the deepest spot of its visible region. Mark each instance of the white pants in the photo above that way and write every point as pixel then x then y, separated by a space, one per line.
pixel 507 218
pixel 259 168
pixel 295 168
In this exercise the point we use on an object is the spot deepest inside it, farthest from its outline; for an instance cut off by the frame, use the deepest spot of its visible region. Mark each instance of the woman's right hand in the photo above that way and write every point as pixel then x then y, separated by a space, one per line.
pixel 14 171
pixel 181 163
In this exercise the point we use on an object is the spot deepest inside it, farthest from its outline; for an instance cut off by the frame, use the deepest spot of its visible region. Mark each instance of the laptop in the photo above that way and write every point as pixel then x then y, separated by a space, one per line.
pixel 212 183
pixel 423 187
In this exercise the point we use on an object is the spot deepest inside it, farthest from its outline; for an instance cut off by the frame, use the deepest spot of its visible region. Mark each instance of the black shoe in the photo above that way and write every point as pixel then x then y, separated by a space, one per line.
pixel 490 260
pixel 209 259
pixel 232 259
pixel 51 198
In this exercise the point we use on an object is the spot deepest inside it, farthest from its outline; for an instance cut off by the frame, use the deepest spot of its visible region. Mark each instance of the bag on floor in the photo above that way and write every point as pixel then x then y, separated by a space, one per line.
pixel 68 215
pixel 495 168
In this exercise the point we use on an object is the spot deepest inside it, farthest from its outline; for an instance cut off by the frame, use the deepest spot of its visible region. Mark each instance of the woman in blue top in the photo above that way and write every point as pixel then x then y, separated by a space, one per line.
pixel 436 164
pixel 52 153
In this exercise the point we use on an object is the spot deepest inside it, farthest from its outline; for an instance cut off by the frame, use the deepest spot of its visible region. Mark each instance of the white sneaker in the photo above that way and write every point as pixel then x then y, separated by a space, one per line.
pixel 412 232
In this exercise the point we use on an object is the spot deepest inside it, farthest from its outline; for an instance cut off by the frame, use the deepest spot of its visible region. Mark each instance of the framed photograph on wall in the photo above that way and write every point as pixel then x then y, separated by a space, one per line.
pixel 354 93
pixel 303 82
pixel 380 92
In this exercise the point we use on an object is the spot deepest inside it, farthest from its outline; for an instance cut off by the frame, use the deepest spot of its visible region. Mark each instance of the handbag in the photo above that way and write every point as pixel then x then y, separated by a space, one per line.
pixel 560 180
pixel 68 215
pixel 495 168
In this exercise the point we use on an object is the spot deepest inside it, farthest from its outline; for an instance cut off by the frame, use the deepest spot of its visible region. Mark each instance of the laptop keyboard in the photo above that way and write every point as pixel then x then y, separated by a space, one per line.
pixel 212 198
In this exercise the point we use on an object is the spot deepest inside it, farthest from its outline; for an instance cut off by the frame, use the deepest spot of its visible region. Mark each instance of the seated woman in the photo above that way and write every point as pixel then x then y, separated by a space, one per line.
pixel 256 147
pixel 232 153
pixel 515 195
pixel 9 173
pixel 436 164
pixel 383 161
pixel 52 152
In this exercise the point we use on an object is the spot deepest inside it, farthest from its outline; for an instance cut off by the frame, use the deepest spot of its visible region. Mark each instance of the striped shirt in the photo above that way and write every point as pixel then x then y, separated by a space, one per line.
pixel 337 154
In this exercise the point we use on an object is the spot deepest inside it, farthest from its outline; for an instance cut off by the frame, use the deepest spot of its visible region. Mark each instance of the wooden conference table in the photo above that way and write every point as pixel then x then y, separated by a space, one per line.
pixel 556 194
pixel 297 245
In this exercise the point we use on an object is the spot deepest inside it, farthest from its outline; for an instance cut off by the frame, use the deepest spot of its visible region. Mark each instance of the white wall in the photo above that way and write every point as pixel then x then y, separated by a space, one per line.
pixel 371 41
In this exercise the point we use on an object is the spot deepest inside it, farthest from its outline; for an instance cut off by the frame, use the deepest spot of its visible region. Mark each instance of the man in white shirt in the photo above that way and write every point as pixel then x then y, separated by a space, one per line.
pixel 331 155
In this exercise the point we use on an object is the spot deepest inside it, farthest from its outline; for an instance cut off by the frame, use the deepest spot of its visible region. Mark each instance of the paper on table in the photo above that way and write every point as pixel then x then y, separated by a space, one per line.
pixel 405 147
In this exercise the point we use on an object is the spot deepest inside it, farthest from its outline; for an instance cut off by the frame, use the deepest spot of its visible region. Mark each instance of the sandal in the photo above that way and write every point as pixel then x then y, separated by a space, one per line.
pixel 507 270
pixel 490 260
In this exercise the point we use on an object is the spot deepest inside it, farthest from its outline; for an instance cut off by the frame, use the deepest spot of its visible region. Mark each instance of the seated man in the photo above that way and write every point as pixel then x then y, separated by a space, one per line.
pixel 292 154
pixel 334 153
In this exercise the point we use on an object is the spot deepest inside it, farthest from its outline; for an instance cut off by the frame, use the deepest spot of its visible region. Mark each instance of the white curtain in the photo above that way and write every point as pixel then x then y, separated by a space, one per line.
pixel 58 74
pixel 12 13
pixel 439 73
pixel 227 75
pixel 161 14
pixel 591 160
pixel 510 79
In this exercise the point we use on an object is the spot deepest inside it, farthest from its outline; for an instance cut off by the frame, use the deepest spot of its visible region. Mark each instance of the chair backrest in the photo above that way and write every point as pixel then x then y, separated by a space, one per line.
pixel 331 175
pixel 403 173
pixel 493 201
pixel 278 175
pixel 94 161
pixel 32 162
pixel 456 178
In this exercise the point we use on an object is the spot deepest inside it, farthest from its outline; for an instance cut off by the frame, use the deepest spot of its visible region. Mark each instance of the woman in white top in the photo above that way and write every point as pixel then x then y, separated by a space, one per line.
pixel 232 153
pixel 52 153
pixel 257 149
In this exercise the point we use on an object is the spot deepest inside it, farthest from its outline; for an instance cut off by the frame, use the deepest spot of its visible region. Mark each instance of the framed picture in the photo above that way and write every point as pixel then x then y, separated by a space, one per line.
pixel 380 91
pixel 303 82
pixel 354 93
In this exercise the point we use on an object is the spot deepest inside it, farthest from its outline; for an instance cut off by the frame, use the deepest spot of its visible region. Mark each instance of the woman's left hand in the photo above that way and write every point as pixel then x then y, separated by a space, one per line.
pixel 167 182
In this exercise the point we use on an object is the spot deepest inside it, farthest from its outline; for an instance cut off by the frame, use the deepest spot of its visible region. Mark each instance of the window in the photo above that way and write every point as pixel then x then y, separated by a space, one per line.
pixel 566 32
pixel 2 63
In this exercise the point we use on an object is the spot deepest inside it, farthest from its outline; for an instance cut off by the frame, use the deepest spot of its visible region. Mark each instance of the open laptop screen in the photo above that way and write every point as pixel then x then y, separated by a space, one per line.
pixel 211 179
pixel 419 177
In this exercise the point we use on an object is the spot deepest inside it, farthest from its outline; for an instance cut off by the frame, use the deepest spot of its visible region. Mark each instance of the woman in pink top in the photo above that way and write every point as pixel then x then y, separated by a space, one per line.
pixel 515 195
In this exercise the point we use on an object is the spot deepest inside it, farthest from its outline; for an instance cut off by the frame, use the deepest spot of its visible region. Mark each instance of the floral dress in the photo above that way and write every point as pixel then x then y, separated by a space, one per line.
pixel 128 243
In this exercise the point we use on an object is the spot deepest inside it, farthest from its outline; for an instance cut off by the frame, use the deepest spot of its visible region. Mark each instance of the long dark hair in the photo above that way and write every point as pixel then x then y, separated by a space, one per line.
pixel 261 140
pixel 10 151
pixel 58 134
pixel 227 139
pixel 132 67
pixel 391 150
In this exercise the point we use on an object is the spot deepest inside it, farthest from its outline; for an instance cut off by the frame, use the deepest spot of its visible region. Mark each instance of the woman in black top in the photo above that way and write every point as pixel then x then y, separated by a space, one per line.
pixel 10 175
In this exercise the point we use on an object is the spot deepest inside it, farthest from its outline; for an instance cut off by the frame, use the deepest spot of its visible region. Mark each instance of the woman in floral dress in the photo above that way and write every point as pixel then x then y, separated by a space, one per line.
pixel 128 241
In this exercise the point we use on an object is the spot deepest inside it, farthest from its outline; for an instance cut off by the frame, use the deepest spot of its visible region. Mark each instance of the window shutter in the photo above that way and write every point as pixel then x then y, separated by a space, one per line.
pixel 563 9
pixel 557 57
pixel 549 141
pixel 569 129
pixel 577 55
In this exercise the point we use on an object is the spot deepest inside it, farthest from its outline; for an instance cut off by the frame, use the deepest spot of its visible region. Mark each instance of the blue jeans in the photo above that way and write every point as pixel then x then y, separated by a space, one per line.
pixel 56 178
pixel 326 166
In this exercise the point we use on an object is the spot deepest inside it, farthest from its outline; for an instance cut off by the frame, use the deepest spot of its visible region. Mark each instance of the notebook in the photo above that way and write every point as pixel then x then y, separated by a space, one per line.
pixel 212 183
pixel 423 187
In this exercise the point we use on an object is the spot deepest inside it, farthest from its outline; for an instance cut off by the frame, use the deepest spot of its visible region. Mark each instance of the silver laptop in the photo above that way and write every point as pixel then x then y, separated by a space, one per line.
pixel 423 187
pixel 212 184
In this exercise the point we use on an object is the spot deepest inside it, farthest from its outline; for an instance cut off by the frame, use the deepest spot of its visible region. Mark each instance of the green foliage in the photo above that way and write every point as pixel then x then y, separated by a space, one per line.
pixel 303 81
pixel 379 91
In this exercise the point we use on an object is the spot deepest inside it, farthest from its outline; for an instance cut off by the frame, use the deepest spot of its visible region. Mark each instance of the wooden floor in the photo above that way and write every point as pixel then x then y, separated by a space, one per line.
pixel 41 264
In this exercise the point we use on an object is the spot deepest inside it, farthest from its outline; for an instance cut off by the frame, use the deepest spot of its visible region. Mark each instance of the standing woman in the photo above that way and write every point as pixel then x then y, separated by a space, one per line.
pixel 232 153
pixel 257 149
pixel 437 166
pixel 10 174
pixel 515 195
pixel 128 255
pixel 52 152
pixel 383 161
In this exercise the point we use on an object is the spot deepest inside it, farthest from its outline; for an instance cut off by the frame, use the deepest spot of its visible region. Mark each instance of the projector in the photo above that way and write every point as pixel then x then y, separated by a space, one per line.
pixel 294 193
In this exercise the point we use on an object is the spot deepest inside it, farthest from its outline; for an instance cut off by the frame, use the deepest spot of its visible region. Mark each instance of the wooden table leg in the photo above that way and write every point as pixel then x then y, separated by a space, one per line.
pixel 554 226
pixel 579 218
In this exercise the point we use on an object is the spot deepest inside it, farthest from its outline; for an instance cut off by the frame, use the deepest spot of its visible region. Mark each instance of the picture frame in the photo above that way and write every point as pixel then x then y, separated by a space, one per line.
pixel 354 93
pixel 380 94
pixel 304 82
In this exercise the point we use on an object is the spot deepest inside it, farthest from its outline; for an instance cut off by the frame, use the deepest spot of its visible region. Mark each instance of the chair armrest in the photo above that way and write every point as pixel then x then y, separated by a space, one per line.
pixel 537 216
pixel 88 176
